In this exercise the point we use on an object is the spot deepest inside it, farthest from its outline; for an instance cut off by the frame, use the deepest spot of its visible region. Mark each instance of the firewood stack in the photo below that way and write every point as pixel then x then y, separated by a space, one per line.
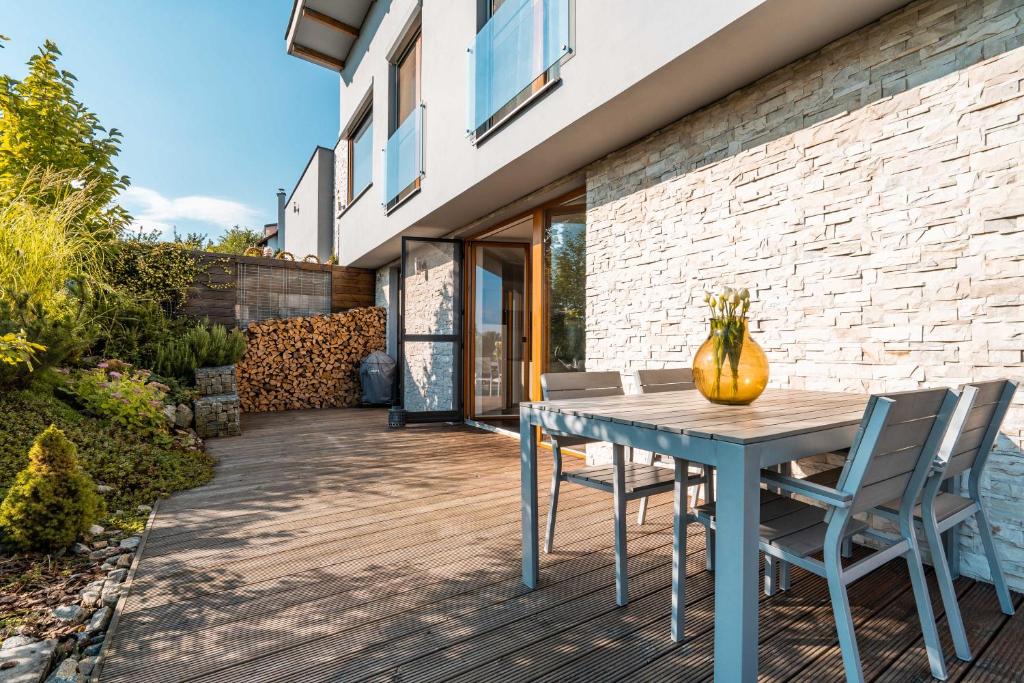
pixel 309 362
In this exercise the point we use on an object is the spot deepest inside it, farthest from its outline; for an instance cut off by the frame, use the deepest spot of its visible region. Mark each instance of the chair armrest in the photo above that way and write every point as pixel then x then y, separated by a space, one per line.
pixel 824 494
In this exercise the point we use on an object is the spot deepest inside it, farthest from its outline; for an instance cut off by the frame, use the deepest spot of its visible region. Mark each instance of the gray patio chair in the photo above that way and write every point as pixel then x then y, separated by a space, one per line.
pixel 940 511
pixel 678 379
pixel 629 481
pixel 891 458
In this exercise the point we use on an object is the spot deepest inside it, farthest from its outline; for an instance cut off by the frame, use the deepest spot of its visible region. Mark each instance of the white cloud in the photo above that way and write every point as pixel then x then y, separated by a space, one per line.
pixel 153 212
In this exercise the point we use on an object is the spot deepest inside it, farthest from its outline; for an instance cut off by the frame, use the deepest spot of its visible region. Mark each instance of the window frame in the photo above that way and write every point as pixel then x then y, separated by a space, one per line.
pixel 411 42
pixel 363 120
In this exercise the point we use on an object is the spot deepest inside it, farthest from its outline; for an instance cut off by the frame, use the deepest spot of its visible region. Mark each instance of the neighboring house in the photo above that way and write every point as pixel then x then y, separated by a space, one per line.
pixel 306 219
pixel 269 239
pixel 567 178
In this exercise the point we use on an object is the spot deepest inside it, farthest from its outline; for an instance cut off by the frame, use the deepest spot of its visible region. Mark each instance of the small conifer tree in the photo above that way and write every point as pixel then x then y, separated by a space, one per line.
pixel 52 501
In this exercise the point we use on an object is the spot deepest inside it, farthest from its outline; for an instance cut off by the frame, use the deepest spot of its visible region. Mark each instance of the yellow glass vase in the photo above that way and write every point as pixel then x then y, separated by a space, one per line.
pixel 730 367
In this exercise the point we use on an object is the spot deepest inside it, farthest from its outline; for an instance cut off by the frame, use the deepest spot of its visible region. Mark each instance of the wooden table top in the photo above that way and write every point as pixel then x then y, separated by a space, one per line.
pixel 776 414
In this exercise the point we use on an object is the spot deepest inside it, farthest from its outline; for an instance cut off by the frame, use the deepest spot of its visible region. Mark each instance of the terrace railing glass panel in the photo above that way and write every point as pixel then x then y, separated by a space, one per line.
pixel 403 157
pixel 522 40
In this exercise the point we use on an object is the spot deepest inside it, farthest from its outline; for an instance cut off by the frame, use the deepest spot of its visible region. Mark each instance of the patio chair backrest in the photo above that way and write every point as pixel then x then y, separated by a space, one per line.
pixel 984 420
pixel 559 385
pixel 895 445
pixel 666 379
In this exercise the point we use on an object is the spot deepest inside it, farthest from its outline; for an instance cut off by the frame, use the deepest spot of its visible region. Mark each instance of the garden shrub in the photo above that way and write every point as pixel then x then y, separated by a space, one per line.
pixel 162 273
pixel 201 347
pixel 138 470
pixel 52 501
pixel 126 396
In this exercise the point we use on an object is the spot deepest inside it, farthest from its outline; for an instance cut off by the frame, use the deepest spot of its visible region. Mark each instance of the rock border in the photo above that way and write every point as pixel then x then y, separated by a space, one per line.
pixel 126 589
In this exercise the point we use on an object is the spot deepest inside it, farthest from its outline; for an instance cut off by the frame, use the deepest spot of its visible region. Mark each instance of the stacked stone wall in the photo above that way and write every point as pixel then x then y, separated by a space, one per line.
pixel 871 196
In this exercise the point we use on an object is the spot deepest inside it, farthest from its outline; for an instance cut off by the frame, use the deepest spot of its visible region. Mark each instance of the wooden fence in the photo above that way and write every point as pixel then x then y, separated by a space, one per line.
pixel 234 290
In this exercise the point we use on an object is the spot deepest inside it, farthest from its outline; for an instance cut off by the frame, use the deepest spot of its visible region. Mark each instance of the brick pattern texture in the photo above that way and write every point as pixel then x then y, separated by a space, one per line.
pixel 871 196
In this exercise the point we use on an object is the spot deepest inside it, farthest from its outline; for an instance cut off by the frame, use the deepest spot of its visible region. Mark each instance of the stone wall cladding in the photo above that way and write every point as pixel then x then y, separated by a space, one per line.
pixel 871 197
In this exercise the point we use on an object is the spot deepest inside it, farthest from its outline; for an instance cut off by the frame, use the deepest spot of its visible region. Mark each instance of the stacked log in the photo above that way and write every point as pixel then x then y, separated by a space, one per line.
pixel 308 362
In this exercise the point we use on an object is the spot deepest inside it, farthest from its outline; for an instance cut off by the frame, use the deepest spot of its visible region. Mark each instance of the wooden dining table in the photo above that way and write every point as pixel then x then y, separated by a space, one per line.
pixel 783 425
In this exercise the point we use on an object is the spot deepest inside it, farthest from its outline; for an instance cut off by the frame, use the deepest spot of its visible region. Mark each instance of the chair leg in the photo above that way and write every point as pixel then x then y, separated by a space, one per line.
pixel 784 581
pixel 770 575
pixel 954 620
pixel 998 578
pixel 679 551
pixel 619 495
pixel 843 615
pixel 641 515
pixel 924 609
pixel 556 480
pixel 847 547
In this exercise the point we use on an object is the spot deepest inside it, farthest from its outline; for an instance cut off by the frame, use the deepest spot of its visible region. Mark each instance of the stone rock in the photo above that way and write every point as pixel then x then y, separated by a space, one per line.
pixel 170 415
pixel 111 593
pixel 218 415
pixel 90 595
pixel 125 560
pixel 100 544
pixel 130 543
pixel 74 614
pixel 144 509
pixel 96 530
pixel 28 663
pixel 16 641
pixel 99 620
pixel 66 672
pixel 117 575
pixel 93 650
pixel 109 565
pixel 183 416
pixel 103 488
pixel 104 553
pixel 86 665
pixel 80 549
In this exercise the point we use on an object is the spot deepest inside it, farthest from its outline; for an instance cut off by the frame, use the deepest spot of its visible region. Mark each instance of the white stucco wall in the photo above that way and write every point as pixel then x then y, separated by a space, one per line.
pixel 308 213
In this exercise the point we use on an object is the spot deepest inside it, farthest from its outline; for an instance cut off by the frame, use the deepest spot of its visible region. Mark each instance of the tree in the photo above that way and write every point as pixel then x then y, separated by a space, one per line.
pixel 44 128
pixel 236 240
pixel 52 501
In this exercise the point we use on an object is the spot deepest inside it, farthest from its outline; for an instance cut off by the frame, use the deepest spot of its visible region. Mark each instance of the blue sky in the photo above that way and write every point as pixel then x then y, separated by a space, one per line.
pixel 215 115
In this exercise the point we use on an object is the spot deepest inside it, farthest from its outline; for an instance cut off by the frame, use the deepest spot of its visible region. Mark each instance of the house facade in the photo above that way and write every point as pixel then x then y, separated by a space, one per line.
pixel 307 214
pixel 552 185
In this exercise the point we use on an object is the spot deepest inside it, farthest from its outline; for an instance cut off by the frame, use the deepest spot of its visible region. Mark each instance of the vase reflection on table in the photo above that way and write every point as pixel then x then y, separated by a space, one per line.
pixel 730 367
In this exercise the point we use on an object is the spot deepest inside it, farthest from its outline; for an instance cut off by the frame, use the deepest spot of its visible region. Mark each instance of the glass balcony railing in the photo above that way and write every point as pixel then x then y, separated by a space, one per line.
pixel 403 157
pixel 519 44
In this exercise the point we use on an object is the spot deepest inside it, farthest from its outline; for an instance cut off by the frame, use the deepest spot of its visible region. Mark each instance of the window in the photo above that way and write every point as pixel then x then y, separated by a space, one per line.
pixel 360 157
pixel 404 150
pixel 407 82
pixel 565 269
pixel 516 54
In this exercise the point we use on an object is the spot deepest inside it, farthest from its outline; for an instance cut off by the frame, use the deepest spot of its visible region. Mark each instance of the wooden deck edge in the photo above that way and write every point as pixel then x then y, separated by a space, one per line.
pixel 483 426
pixel 126 587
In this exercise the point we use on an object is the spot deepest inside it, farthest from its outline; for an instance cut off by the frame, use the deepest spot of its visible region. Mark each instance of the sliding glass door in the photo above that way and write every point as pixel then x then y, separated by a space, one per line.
pixel 499 339
pixel 565 281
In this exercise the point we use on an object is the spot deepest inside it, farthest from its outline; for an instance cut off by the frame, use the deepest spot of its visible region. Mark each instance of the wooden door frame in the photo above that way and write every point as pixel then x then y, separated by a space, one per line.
pixel 469 319
pixel 537 304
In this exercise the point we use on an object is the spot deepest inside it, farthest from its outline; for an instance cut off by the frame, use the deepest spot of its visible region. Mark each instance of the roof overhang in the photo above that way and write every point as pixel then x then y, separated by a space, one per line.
pixel 324 31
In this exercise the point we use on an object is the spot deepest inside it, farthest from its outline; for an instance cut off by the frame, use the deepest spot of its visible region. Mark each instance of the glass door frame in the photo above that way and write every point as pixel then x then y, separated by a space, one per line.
pixel 469 363
pixel 456 338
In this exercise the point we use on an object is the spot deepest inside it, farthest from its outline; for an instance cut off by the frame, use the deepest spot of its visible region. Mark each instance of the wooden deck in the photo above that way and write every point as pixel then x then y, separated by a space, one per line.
pixel 329 549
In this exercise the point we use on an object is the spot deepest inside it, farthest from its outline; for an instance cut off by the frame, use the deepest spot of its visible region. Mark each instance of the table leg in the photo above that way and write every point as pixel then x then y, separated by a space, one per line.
pixel 619 495
pixel 528 498
pixel 682 475
pixel 736 565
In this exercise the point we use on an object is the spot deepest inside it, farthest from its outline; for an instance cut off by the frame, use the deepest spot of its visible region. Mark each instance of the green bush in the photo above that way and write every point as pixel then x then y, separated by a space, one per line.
pixel 127 397
pixel 161 273
pixel 64 337
pixel 52 501
pixel 138 470
pixel 200 347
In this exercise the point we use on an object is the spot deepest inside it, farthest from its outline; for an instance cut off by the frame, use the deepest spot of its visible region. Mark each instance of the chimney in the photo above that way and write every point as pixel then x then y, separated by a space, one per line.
pixel 280 218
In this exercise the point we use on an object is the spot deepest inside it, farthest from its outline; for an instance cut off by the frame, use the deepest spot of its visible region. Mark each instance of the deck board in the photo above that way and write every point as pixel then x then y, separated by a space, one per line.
pixel 329 549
